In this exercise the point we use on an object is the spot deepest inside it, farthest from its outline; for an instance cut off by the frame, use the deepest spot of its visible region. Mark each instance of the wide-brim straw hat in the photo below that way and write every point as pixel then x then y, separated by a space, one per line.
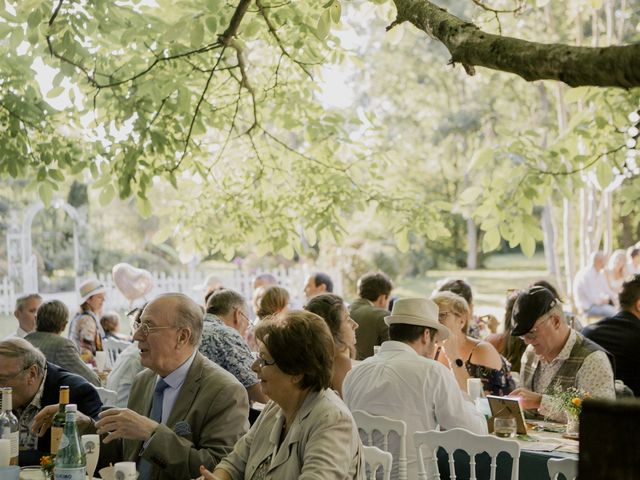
pixel 90 288
pixel 417 311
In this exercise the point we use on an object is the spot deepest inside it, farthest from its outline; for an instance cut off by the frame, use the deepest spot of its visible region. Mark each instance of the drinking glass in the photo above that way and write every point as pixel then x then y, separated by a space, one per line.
pixel 505 427
pixel 91 445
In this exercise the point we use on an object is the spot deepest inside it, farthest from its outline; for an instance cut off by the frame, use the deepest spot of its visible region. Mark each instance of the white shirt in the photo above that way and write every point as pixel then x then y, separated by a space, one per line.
pixel 589 287
pixel 398 383
pixel 20 333
pixel 594 377
pixel 124 371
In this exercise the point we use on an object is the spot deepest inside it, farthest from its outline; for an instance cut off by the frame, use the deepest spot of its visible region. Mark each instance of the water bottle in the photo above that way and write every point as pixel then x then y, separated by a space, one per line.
pixel 70 461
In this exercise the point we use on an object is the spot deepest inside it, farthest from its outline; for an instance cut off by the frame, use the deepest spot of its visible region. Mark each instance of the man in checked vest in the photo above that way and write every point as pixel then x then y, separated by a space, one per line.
pixel 556 355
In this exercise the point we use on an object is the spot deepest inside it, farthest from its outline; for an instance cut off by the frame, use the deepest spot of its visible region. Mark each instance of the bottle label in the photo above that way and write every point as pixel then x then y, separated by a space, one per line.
pixel 14 441
pixel 63 473
pixel 56 437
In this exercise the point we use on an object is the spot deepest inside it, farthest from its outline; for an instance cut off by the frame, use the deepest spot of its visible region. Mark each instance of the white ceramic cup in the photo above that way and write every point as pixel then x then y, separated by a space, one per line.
pixel 474 387
pixel 101 361
pixel 5 452
pixel 125 471
pixel 31 473
pixel 91 446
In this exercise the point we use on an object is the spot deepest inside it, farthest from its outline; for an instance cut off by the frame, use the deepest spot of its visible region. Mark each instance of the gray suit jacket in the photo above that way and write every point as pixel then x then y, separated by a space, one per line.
pixel 208 417
pixel 62 352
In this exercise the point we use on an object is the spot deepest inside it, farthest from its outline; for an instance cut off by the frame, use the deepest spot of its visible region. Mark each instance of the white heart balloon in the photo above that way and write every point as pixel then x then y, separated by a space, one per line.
pixel 132 282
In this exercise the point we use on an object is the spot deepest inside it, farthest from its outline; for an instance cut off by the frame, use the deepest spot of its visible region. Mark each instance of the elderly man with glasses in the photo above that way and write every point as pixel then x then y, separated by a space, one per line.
pixel 556 356
pixel 35 384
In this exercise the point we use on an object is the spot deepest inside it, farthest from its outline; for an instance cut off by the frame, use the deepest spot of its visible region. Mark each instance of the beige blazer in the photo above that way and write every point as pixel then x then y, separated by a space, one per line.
pixel 208 417
pixel 322 443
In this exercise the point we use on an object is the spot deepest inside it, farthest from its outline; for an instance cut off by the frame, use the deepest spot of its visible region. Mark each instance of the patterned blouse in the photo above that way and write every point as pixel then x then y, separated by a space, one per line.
pixel 226 347
pixel 496 382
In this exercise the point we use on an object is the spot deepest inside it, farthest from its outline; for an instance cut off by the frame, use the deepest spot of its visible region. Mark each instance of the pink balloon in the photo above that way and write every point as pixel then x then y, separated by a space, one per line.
pixel 132 282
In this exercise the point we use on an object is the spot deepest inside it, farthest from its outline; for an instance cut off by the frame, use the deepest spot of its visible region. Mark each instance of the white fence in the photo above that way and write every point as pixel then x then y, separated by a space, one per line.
pixel 293 279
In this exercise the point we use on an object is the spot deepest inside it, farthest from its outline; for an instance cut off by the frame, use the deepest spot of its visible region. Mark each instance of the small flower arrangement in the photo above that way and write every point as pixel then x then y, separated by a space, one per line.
pixel 568 401
pixel 47 465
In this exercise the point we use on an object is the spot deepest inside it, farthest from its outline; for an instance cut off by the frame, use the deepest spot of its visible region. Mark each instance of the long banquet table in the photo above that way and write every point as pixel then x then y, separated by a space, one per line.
pixel 534 455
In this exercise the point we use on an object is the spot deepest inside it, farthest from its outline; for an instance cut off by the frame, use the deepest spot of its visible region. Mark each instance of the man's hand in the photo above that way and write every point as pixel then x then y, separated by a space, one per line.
pixel 44 419
pixel 528 400
pixel 218 474
pixel 125 423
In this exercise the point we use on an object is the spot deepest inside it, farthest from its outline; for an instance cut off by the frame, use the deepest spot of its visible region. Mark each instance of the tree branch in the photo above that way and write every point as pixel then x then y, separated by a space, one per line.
pixel 616 66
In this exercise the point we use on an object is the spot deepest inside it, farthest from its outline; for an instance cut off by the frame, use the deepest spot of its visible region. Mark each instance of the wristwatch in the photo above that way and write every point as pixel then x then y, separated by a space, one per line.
pixel 459 362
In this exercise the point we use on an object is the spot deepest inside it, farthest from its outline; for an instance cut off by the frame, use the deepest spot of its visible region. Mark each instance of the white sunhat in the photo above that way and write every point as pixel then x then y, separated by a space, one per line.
pixel 89 288
pixel 417 311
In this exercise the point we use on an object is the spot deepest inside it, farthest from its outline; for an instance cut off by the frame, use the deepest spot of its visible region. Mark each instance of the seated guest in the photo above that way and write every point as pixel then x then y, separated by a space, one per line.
pixel 110 323
pixel 51 320
pixel 616 273
pixel 126 368
pixel 572 319
pixel 225 325
pixel 316 284
pixel 272 301
pixel 403 380
pixel 591 293
pixel 369 311
pixel 510 347
pixel 306 431
pixel 184 410
pixel 634 260
pixel 476 328
pixel 469 357
pixel 332 310
pixel 36 383
pixel 620 334
pixel 25 313
pixel 556 355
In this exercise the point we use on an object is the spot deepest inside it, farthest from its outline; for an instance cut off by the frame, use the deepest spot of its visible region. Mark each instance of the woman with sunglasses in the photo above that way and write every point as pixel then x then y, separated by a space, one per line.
pixel 469 357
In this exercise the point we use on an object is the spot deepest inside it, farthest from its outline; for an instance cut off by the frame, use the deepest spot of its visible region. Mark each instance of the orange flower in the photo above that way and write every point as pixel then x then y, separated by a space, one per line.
pixel 45 460
pixel 577 402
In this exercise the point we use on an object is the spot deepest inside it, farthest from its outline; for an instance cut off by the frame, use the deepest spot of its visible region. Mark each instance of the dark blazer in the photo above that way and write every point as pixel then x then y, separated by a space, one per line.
pixel 210 414
pixel 620 335
pixel 371 329
pixel 62 352
pixel 81 393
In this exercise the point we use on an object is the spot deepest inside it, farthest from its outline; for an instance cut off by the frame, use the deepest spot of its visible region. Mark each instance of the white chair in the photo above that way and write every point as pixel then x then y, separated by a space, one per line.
pixel 107 397
pixel 460 439
pixel 377 458
pixel 113 347
pixel 566 466
pixel 384 425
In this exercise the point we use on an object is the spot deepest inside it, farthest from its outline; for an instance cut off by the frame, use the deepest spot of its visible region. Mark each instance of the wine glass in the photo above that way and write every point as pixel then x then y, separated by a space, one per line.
pixel 505 427
pixel 91 446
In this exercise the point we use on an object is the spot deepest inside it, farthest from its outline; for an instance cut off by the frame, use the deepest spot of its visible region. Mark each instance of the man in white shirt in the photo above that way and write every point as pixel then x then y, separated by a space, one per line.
pixel 403 381
pixel 591 292
pixel 556 356
pixel 25 313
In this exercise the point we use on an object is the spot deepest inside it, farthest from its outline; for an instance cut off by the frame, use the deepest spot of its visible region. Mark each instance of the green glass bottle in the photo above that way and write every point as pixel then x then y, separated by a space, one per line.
pixel 57 426
pixel 70 461
pixel 9 428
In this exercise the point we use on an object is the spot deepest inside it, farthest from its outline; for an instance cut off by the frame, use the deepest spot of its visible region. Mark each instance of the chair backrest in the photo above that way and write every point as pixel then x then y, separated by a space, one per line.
pixel 384 425
pixel 376 458
pixel 107 397
pixel 566 466
pixel 113 347
pixel 461 439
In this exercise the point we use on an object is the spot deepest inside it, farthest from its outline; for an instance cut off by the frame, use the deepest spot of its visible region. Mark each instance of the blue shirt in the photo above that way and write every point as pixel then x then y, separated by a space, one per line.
pixel 226 347
pixel 175 380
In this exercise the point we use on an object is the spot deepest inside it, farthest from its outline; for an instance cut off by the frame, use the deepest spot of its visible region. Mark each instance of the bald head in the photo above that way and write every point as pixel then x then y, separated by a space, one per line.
pixel 183 312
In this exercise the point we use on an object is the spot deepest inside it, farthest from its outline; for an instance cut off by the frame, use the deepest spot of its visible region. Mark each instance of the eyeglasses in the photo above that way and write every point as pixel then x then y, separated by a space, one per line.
pixel 533 333
pixel 244 315
pixel 144 329
pixel 262 362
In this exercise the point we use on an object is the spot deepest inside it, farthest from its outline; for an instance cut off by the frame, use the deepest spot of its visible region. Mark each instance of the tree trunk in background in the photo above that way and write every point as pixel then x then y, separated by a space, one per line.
pixel 472 245
pixel 549 239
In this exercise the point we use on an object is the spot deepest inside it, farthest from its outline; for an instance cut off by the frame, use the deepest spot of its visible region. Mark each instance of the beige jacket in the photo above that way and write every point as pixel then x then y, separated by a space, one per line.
pixel 322 443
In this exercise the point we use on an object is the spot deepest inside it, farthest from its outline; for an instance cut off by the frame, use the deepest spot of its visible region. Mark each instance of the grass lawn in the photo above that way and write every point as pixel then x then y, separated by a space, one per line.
pixel 503 272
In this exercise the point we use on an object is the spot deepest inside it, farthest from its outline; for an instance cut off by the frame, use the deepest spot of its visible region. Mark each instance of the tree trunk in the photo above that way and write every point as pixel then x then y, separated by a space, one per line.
pixel 549 239
pixel 472 245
